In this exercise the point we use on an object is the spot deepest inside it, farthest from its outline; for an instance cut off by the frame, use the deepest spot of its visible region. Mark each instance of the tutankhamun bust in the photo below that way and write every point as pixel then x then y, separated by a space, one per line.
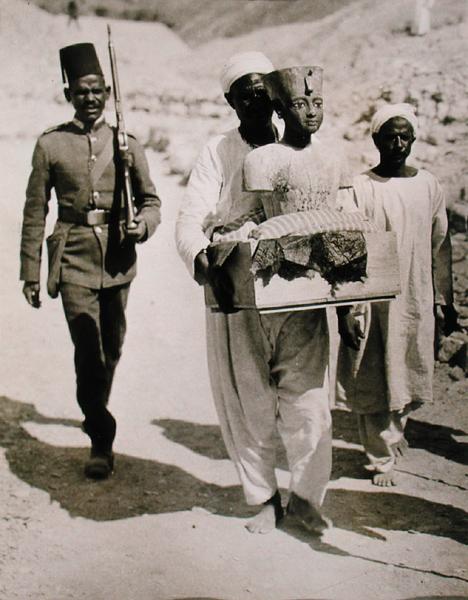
pixel 299 173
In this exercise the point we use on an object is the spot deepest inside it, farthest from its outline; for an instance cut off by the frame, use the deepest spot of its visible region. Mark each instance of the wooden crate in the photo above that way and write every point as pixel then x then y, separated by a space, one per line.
pixel 382 282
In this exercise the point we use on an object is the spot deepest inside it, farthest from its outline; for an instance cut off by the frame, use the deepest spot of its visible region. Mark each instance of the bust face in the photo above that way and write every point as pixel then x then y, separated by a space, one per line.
pixel 394 141
pixel 303 114
pixel 88 95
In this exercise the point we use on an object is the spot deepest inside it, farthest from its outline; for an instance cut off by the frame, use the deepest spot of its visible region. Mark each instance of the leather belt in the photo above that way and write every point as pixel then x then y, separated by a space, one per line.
pixel 97 216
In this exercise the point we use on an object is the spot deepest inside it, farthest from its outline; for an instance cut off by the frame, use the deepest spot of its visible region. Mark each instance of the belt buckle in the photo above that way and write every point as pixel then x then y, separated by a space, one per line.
pixel 96 216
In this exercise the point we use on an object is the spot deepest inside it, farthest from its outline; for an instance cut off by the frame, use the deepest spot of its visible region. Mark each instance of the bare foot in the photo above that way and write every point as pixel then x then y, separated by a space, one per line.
pixel 400 448
pixel 264 522
pixel 384 479
pixel 302 513
pixel 268 518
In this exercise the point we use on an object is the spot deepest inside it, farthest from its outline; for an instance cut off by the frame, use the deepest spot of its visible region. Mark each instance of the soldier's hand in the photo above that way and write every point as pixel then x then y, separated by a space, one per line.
pixel 349 328
pixel 202 268
pixel 138 233
pixel 127 157
pixel 31 291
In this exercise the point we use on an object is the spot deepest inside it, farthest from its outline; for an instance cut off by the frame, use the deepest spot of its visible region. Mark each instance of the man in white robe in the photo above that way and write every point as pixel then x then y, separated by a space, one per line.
pixel 391 374
pixel 268 372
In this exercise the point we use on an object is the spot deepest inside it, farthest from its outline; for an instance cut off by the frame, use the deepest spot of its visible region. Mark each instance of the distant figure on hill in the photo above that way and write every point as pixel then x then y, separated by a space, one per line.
pixel 73 13
pixel 421 23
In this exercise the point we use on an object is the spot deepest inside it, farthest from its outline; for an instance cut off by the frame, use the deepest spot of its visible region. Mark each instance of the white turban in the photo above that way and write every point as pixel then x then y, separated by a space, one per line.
pixel 242 64
pixel 389 111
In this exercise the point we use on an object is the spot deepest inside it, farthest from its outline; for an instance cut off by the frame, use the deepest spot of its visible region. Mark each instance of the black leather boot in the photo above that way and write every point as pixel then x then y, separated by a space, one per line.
pixel 100 464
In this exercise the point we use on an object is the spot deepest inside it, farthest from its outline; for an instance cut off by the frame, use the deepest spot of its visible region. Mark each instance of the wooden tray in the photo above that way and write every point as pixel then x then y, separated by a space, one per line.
pixel 382 282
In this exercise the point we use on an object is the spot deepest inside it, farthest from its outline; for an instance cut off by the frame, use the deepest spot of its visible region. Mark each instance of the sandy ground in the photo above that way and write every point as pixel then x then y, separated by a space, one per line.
pixel 169 523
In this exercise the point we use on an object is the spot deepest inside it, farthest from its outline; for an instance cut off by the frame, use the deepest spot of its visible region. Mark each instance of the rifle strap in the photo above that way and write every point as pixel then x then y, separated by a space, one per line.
pixel 103 160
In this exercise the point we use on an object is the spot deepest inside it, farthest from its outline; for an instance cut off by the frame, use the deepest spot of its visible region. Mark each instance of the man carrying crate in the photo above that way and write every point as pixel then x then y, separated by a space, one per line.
pixel 268 372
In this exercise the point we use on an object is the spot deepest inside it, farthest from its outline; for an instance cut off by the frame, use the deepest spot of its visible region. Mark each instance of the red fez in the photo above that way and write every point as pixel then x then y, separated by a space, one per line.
pixel 79 60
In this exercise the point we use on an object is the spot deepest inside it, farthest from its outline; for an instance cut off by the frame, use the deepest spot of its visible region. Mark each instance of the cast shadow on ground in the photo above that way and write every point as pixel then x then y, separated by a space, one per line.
pixel 353 510
pixel 148 487
pixel 138 486
pixel 207 441
pixel 436 439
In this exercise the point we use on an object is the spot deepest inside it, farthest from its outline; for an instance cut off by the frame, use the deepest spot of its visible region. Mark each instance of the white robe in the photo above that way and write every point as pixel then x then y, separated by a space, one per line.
pixel 394 366
pixel 268 372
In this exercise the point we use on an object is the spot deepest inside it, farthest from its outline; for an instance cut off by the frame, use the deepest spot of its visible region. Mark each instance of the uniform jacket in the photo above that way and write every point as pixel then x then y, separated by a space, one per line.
pixel 91 256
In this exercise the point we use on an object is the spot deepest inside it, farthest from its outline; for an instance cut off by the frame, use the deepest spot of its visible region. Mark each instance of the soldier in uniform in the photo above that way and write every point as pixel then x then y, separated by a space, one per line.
pixel 92 257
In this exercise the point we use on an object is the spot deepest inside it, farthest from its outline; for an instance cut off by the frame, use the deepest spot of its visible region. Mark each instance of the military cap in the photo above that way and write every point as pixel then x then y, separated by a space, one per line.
pixel 79 60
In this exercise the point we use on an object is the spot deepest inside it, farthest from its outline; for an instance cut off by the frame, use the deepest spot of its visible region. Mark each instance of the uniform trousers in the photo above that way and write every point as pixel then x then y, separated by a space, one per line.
pixel 269 374
pixel 96 320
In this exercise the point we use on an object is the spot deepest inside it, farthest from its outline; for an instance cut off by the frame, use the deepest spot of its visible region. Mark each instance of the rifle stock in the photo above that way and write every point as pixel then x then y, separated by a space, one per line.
pixel 122 139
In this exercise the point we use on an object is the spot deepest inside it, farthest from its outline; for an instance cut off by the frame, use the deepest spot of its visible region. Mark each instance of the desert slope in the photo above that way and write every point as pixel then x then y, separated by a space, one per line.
pixel 197 21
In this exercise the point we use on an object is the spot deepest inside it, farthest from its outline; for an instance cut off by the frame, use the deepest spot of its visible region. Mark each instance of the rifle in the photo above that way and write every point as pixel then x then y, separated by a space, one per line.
pixel 122 140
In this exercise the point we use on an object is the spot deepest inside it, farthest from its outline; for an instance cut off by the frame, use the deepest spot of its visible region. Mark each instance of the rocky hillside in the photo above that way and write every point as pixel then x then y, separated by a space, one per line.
pixel 172 92
pixel 369 58
pixel 199 20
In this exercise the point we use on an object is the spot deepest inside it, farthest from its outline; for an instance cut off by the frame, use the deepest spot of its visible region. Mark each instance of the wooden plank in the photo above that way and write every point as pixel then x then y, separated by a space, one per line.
pixel 382 282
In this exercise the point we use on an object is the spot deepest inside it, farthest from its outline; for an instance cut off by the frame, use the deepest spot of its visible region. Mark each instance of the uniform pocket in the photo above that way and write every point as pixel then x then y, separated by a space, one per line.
pixel 55 247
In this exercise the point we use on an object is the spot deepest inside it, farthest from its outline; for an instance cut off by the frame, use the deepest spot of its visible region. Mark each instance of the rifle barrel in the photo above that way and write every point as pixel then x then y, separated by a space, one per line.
pixel 122 137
